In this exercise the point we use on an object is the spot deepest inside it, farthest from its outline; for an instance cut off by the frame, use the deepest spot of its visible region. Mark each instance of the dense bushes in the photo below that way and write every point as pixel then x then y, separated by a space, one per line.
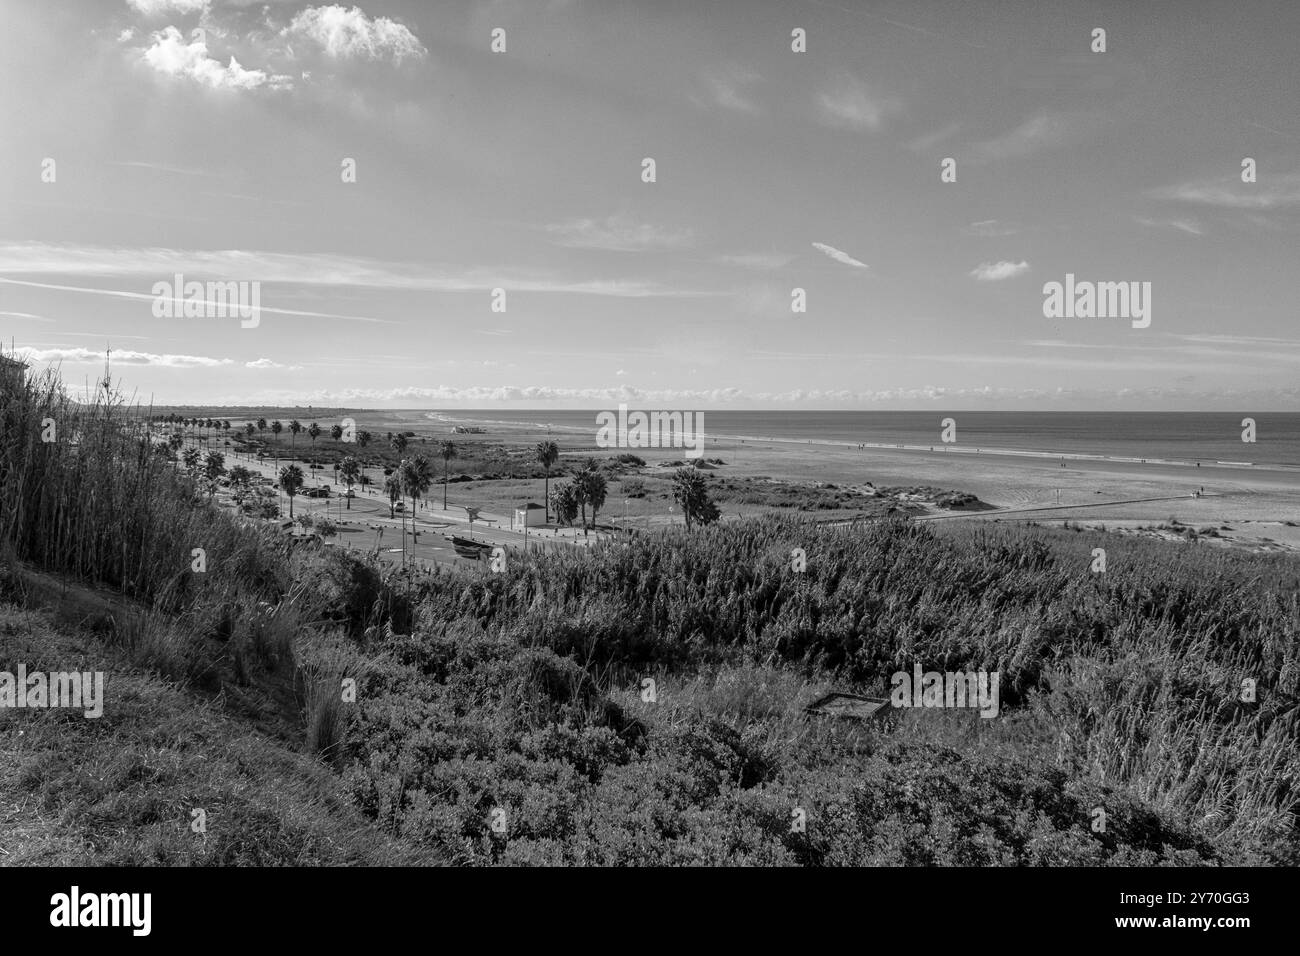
pixel 500 700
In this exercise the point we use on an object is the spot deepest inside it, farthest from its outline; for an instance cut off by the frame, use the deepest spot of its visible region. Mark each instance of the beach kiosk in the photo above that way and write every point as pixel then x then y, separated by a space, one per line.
pixel 528 515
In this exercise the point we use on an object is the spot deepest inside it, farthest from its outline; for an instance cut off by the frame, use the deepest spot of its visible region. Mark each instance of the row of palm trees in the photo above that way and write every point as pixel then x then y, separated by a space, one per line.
pixel 296 428
pixel 413 476
pixel 276 427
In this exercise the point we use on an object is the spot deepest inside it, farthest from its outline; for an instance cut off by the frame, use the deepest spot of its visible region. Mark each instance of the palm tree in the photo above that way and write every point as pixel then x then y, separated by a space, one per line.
pixel 565 502
pixel 336 431
pixel 261 424
pixel 176 441
pixel 240 479
pixel 349 470
pixel 314 432
pixel 290 481
pixel 249 429
pixel 416 476
pixel 214 466
pixel 295 427
pixel 276 427
pixel 691 491
pixel 591 491
pixel 548 453
pixel 447 450
pixel 580 497
pixel 398 442
pixel 393 488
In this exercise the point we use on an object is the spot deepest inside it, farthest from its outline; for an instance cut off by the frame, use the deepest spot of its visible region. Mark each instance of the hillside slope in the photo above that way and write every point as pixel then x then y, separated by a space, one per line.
pixel 123 789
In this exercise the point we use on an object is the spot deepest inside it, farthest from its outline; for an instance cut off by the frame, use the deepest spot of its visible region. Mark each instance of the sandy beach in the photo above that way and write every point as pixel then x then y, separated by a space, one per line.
pixel 1255 503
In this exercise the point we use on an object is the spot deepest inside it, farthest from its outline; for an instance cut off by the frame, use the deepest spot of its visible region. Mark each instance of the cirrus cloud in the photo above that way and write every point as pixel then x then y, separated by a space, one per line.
pixel 853 105
pixel 839 256
pixel 617 234
pixel 1230 193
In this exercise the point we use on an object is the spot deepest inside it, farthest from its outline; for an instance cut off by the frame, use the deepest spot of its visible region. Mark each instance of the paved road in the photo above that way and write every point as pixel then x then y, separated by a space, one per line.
pixel 369 524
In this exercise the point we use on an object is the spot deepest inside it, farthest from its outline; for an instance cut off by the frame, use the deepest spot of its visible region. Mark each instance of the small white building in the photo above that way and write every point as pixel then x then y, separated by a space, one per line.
pixel 12 372
pixel 528 515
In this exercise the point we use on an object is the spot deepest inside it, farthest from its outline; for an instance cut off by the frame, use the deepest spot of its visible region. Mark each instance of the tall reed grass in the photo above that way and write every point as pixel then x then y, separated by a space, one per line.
pixel 89 493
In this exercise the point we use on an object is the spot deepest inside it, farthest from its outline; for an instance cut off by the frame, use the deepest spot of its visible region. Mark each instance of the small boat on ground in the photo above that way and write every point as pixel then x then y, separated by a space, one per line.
pixel 469 548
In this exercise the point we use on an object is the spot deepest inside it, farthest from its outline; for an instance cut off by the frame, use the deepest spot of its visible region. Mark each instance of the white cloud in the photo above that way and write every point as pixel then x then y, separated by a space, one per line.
pixel 124 357
pixel 757 260
pixel 1044 131
pixel 125 35
pixel 1231 193
pixel 161 167
pixel 532 396
pixel 119 294
pixel 344 34
pixel 488 395
pixel 1183 225
pixel 839 256
pixel 267 363
pixel 153 8
pixel 172 56
pixel 617 233
pixel 852 105
pixel 990 228
pixel 155 263
pixel 930 140
pixel 993 271
pixel 726 87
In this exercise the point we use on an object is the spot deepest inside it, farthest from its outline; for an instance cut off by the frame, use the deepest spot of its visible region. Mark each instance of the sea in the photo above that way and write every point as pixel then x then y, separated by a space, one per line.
pixel 1207 437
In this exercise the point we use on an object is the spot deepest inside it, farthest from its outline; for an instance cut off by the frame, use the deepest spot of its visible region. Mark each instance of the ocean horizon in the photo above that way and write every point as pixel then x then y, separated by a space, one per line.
pixel 1177 436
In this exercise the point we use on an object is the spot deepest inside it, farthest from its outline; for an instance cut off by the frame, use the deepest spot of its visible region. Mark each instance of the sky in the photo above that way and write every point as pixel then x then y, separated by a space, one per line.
pixel 216 139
